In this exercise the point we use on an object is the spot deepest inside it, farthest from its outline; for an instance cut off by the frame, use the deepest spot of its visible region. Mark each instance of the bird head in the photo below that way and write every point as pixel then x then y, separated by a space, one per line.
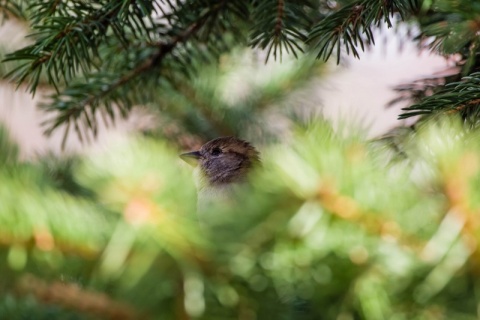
pixel 223 160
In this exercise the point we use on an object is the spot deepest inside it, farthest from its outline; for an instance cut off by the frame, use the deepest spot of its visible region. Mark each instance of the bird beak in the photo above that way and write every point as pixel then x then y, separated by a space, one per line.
pixel 191 157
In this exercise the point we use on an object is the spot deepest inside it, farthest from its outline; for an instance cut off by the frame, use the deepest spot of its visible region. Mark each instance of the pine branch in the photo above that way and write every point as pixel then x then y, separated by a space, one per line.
pixel 68 43
pixel 461 98
pixel 280 25
pixel 353 25
pixel 82 100
pixel 452 27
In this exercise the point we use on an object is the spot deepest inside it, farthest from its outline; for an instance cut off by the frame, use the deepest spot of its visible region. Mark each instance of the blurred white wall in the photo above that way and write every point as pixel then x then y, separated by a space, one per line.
pixel 360 91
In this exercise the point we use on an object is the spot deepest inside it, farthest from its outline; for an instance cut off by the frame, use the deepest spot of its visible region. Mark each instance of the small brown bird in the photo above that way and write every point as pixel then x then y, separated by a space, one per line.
pixel 220 165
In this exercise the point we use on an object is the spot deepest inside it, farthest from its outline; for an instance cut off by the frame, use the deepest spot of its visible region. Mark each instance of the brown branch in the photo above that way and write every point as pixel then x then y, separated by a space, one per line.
pixel 348 209
pixel 39 240
pixel 280 14
pixel 180 311
pixel 465 105
pixel 73 297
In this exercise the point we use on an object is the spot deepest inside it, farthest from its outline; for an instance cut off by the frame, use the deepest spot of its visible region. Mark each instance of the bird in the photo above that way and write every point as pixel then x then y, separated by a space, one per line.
pixel 222 165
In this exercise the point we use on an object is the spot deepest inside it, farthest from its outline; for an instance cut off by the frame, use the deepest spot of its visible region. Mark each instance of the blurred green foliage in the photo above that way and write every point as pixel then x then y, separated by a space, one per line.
pixel 329 228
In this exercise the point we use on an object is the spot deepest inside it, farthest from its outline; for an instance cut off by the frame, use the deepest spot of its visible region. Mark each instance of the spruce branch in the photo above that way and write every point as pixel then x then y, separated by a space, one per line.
pixel 82 100
pixel 68 43
pixel 461 98
pixel 449 28
pixel 453 29
pixel 280 25
pixel 353 25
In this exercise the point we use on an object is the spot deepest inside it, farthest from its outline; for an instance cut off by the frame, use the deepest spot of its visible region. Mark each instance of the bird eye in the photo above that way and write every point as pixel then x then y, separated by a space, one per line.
pixel 216 151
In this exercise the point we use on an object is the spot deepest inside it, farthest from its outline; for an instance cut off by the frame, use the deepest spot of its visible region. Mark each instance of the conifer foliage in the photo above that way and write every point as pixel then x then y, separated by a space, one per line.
pixel 103 57
pixel 333 226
